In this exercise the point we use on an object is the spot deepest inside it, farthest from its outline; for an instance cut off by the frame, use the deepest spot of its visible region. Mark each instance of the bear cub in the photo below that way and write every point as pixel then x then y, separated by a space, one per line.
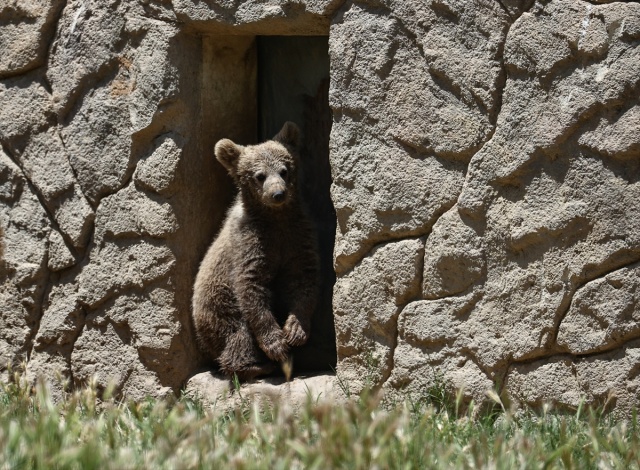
pixel 256 288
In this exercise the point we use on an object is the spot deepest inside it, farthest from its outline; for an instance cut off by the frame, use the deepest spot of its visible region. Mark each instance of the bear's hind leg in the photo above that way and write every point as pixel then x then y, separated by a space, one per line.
pixel 214 315
pixel 243 357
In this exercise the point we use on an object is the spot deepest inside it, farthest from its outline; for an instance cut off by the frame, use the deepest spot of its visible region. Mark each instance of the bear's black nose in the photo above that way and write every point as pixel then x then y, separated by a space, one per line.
pixel 278 196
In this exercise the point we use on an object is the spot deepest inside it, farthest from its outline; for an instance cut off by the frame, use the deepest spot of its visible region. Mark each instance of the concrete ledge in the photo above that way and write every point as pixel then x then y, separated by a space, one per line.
pixel 219 393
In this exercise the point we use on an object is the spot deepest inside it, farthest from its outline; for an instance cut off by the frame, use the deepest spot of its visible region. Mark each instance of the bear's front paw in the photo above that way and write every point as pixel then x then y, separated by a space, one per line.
pixel 294 333
pixel 274 346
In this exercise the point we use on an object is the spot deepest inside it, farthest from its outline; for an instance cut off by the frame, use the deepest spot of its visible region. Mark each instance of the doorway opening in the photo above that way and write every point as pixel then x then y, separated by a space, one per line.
pixel 251 86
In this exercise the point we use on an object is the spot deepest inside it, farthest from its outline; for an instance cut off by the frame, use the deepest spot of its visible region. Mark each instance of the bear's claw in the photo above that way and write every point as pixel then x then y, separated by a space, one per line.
pixel 294 333
pixel 274 345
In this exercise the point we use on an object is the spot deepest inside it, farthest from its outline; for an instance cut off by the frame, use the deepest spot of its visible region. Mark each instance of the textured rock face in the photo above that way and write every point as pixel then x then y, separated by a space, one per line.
pixel 505 137
pixel 96 169
pixel 26 28
pixel 486 179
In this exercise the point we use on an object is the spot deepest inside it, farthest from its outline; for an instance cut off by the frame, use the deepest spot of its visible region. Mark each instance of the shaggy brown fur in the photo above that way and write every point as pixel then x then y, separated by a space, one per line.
pixel 257 285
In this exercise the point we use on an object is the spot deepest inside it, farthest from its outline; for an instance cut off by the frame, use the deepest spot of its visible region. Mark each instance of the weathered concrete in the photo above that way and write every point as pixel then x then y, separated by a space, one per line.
pixel 486 180
pixel 222 395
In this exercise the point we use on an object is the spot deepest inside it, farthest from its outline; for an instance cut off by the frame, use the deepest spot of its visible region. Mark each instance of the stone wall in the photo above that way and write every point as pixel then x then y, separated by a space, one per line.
pixel 485 159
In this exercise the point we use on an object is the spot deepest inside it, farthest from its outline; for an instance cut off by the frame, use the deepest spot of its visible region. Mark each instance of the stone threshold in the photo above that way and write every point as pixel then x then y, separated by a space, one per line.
pixel 221 395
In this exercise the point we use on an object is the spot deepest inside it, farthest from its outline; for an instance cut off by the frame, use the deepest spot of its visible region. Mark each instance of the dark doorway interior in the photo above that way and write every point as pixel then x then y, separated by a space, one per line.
pixel 293 85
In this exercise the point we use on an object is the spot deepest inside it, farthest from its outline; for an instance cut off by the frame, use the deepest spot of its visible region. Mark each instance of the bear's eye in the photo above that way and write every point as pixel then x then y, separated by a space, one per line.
pixel 283 173
pixel 261 177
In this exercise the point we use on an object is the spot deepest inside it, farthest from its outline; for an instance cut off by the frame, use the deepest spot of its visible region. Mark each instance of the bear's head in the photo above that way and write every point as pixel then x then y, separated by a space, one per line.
pixel 267 172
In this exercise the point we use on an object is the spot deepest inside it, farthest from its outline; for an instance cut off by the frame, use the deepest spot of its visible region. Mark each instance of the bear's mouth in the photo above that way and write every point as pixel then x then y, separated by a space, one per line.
pixel 270 202
pixel 276 198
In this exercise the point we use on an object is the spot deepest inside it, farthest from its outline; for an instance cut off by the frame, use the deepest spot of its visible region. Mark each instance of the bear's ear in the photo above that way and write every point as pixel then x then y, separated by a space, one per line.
pixel 289 135
pixel 228 154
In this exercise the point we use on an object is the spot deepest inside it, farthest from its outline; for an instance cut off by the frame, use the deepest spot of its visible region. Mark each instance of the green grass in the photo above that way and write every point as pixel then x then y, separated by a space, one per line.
pixel 84 432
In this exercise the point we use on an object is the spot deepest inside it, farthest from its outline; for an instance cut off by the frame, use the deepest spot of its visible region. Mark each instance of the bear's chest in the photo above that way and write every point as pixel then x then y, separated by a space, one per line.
pixel 279 248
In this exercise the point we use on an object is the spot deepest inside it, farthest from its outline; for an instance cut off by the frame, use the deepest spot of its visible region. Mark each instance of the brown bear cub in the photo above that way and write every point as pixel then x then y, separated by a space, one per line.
pixel 257 285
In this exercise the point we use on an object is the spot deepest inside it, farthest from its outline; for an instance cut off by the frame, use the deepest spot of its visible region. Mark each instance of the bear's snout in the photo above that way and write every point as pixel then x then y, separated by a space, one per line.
pixel 275 191
pixel 278 196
